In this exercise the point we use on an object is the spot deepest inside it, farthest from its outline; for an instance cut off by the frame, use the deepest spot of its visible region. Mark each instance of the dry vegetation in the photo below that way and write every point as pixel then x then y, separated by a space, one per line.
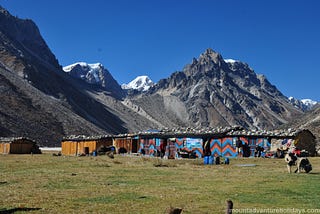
pixel 49 184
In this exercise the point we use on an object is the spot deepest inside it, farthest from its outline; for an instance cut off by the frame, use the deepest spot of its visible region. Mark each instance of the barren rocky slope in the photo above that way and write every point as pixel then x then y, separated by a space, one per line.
pixel 38 99
pixel 310 120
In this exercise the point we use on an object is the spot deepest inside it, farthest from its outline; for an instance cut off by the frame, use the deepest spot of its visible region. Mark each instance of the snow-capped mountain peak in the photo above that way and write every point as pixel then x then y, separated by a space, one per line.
pixel 68 68
pixel 92 72
pixel 304 104
pixel 140 83
pixel 308 102
pixel 95 74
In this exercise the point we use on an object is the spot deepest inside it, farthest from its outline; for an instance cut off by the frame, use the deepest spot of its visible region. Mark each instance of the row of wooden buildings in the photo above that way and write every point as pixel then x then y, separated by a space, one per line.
pixel 198 143
pixel 176 142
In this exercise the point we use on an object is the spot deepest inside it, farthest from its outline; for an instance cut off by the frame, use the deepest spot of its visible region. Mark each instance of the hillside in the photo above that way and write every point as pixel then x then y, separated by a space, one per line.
pixel 38 99
pixel 310 120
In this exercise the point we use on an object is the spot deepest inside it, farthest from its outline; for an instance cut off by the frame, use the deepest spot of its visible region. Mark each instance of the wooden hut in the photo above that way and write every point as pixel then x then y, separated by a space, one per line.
pixel 18 145
pixel 126 143
pixel 82 145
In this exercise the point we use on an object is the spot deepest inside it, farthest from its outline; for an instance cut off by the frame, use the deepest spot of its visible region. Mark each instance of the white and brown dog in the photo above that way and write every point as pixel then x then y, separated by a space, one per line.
pixel 302 163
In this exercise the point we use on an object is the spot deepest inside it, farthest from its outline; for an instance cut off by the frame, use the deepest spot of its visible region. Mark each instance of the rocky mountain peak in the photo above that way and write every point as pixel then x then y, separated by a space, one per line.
pixel 210 56
pixel 25 39
pixel 211 91
pixel 95 74
pixel 208 63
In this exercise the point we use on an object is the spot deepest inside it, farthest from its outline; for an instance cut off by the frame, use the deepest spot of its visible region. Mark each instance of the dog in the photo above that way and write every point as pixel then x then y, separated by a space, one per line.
pixel 291 160
pixel 302 163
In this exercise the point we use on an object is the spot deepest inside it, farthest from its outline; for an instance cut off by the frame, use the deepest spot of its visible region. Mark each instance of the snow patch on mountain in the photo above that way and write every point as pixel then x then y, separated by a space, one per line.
pixel 230 60
pixel 309 102
pixel 93 73
pixel 140 83
pixel 304 104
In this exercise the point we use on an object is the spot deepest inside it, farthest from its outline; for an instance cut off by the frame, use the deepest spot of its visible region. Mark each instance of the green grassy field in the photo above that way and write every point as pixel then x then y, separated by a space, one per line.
pixel 49 184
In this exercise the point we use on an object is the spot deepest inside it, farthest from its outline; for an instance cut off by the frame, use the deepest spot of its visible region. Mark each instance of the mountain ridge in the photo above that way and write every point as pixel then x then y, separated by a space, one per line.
pixel 31 75
pixel 216 92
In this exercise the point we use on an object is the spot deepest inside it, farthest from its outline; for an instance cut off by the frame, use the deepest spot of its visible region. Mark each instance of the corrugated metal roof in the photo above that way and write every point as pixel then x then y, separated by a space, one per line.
pixel 12 139
pixel 236 131
pixel 84 137
pixel 188 131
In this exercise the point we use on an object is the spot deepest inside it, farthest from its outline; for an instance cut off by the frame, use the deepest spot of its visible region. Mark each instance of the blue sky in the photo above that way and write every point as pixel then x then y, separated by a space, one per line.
pixel 277 38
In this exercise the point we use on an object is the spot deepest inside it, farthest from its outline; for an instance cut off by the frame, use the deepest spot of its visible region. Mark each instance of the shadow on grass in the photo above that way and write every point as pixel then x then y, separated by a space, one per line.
pixel 18 209
pixel 314 173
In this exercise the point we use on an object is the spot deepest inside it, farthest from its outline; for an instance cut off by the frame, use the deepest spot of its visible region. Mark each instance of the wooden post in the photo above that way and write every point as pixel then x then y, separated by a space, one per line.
pixel 229 207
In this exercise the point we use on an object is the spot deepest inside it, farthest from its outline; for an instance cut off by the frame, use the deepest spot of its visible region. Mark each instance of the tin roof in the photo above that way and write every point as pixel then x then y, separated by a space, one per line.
pixel 188 131
pixel 234 131
pixel 85 137
pixel 12 139
pixel 265 133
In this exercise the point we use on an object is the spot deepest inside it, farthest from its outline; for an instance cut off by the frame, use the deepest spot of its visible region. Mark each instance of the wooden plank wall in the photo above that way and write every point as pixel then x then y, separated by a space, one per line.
pixel 123 143
pixel 20 148
pixel 91 144
pixel 69 147
pixel 4 148
pixel 77 147
pixel 104 142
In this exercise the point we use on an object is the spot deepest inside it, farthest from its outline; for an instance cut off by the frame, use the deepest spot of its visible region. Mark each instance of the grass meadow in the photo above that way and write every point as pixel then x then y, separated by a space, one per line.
pixel 131 184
